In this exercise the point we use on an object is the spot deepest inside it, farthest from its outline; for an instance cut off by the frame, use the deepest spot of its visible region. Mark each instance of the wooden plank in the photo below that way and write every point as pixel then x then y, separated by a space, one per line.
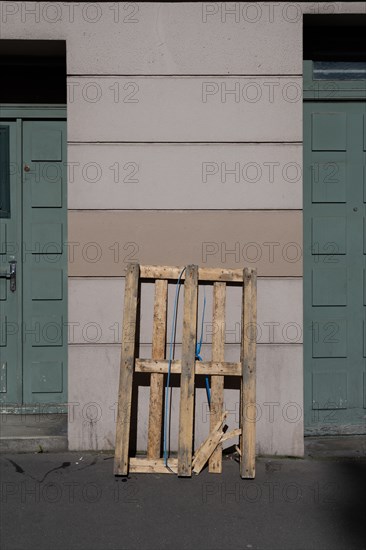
pixel 230 435
pixel 248 390
pixel 216 428
pixel 186 410
pixel 217 382
pixel 140 465
pixel 157 379
pixel 204 273
pixel 126 370
pixel 205 451
pixel 202 367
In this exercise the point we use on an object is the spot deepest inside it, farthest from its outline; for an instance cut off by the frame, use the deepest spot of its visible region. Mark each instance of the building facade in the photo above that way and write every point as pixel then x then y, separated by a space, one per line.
pixel 190 133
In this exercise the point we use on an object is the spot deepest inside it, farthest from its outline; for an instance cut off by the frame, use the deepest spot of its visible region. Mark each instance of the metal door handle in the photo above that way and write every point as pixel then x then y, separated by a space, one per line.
pixel 12 275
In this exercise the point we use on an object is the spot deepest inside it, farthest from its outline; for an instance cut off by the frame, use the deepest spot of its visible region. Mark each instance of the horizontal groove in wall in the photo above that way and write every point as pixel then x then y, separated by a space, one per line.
pixel 83 142
pixel 176 75
pixel 183 210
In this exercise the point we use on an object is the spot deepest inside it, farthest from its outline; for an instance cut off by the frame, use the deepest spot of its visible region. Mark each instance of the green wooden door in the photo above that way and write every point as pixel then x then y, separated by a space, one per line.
pixel 334 267
pixel 35 235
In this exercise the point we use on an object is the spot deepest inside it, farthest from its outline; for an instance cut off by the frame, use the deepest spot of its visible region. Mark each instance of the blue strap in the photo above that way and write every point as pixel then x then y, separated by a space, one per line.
pixel 199 346
pixel 199 343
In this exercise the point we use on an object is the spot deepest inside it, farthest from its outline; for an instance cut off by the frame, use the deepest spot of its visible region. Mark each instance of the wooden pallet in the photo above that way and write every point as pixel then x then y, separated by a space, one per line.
pixel 188 368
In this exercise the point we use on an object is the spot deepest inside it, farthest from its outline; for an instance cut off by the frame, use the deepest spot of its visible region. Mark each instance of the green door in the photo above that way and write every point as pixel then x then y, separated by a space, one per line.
pixel 334 267
pixel 33 234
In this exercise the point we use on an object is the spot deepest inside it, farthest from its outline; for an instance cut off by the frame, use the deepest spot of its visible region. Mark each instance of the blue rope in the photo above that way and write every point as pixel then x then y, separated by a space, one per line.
pixel 172 337
pixel 199 346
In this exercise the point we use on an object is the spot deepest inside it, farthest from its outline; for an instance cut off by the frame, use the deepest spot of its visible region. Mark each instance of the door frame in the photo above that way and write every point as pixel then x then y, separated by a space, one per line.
pixel 41 111
pixel 17 113
pixel 323 91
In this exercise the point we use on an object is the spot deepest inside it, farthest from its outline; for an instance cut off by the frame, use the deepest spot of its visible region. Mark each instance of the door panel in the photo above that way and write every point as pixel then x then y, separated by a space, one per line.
pixel 4 172
pixel 10 302
pixel 44 261
pixel 334 267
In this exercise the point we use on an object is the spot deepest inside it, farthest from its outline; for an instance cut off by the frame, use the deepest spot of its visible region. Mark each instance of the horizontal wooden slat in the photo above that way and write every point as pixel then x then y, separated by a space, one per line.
pixel 202 367
pixel 204 273
pixel 140 465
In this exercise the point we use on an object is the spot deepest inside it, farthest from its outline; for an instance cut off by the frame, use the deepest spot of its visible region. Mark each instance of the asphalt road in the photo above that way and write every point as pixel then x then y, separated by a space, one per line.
pixel 72 501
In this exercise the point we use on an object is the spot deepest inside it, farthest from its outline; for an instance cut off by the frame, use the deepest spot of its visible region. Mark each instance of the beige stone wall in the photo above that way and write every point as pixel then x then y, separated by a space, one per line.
pixel 185 145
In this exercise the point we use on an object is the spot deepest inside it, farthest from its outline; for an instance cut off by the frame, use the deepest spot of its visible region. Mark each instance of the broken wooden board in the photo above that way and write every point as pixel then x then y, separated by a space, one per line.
pixel 206 449
pixel 230 435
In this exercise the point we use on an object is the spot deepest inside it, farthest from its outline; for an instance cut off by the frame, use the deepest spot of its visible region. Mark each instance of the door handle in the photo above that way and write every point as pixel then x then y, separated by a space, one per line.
pixel 12 275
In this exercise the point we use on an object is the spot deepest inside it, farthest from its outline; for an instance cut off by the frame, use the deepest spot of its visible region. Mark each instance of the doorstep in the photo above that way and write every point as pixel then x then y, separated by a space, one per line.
pixel 346 446
pixel 22 433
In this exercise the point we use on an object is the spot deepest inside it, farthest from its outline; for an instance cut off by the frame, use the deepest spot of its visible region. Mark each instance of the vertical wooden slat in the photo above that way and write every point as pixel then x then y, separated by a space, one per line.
pixel 157 379
pixel 186 410
pixel 217 382
pixel 248 390
pixel 126 370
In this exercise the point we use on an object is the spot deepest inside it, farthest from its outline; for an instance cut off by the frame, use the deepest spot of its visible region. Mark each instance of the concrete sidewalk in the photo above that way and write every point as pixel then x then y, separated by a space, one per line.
pixel 72 501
